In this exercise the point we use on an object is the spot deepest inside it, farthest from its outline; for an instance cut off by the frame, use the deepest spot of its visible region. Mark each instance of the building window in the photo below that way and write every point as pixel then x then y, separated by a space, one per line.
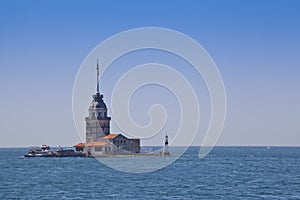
pixel 107 149
pixel 98 148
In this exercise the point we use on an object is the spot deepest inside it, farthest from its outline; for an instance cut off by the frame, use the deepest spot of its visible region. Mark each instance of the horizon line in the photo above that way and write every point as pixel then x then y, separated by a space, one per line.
pixel 3 147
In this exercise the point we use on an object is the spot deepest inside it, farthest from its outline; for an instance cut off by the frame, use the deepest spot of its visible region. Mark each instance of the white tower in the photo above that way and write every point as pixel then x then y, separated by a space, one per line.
pixel 166 151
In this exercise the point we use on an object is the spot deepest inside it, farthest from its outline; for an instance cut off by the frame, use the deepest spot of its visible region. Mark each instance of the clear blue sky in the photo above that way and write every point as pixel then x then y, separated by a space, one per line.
pixel 255 44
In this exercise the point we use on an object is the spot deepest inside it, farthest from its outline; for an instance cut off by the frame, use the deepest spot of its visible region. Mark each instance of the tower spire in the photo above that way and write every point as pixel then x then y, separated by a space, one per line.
pixel 97 76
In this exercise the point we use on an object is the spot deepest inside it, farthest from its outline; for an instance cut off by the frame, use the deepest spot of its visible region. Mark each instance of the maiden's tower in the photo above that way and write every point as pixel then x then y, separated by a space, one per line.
pixel 99 140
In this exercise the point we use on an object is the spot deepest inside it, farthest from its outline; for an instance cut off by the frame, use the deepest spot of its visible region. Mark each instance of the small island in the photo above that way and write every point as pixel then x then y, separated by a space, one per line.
pixel 99 140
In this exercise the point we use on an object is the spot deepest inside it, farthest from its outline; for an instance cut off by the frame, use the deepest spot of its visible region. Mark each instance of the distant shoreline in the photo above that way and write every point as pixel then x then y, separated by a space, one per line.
pixel 254 146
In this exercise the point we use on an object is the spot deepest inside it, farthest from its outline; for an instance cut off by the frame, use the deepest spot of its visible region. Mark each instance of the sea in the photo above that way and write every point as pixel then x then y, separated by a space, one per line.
pixel 225 173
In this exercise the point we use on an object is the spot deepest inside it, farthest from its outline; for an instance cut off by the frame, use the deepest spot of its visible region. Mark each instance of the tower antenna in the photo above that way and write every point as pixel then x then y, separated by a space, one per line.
pixel 97 76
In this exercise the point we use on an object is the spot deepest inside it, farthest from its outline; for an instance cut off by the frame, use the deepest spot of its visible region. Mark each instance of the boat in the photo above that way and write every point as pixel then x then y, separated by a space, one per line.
pixel 43 151
pixel 68 152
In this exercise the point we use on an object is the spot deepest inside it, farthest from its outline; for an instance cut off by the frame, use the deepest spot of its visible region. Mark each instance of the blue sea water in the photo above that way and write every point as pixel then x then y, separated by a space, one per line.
pixel 226 173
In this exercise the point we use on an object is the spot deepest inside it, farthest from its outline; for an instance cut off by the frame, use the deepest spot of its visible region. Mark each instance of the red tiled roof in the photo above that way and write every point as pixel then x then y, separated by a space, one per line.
pixel 111 136
pixel 96 143
pixel 78 145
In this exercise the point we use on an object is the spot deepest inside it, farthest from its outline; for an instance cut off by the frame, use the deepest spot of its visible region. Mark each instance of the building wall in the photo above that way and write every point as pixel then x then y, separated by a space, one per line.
pixel 96 129
pixel 130 145
pixel 135 145
pixel 114 146
pixel 93 130
pixel 100 150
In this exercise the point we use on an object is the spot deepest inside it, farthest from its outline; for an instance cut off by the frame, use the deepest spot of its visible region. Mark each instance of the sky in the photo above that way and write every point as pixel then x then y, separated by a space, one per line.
pixel 255 45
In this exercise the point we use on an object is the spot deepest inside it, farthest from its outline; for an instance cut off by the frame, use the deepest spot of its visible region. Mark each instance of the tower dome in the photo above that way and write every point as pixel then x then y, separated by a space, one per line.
pixel 98 102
